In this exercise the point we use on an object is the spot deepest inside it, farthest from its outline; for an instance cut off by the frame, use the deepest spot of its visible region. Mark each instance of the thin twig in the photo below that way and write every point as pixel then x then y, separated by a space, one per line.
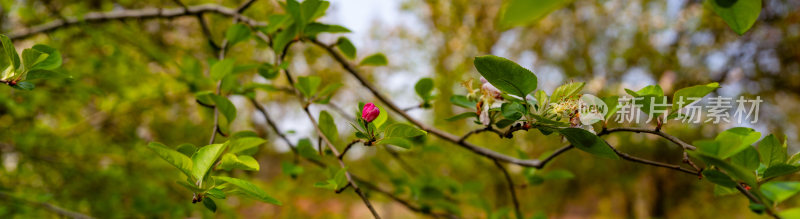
pixel 124 14
pixel 347 148
pixel 47 206
pixel 510 188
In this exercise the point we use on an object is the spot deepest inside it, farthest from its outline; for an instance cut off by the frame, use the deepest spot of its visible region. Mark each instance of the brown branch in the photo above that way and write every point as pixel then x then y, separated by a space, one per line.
pixel 671 138
pixel 651 163
pixel 347 148
pixel 125 14
pixel 47 206
pixel 203 26
pixel 755 199
pixel 510 188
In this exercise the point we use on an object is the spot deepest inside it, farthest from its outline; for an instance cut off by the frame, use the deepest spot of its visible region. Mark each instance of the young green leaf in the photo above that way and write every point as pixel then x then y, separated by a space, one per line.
pixel 221 69
pixel 32 57
pixel 780 191
pixel 697 91
pixel 11 53
pixel 567 91
pixel 589 142
pixel 187 149
pixel 237 33
pixel 205 158
pixel 250 190
pixel 523 12
pixel 512 110
pixel 225 107
pixel 230 161
pixel 180 161
pixel 772 151
pixel 463 101
pixel 377 59
pixel 216 193
pixel 734 140
pixel 462 116
pixel 305 149
pixel 243 145
pixel 506 75
pixel 327 126
pixel 308 85
pixel 51 62
pixel 424 87
pixel 382 117
pixel 347 47
pixel 402 130
pixel 397 141
pixel 747 158
pixel 740 15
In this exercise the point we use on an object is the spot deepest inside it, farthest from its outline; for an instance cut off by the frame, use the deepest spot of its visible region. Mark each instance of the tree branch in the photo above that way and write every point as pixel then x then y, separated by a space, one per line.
pixel 124 14
pixel 510 188
pixel 47 206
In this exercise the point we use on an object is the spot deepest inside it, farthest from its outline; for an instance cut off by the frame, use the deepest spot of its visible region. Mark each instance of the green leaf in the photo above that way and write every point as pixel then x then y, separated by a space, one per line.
pixel 403 130
pixel 325 95
pixel 327 184
pixel 722 191
pixel 347 47
pixel 53 60
pixel 309 9
pixel 780 191
pixel 697 91
pixel 424 87
pixel 463 101
pixel 187 149
pixel 327 126
pixel 377 59
pixel 205 158
pixel 237 33
pixel 210 204
pixel 513 110
pixel 740 15
pixel 10 53
pixel 225 107
pixel 315 28
pixel 243 145
pixel 462 116
pixel 243 162
pixel 772 151
pixel 734 140
pixel 31 57
pixel 735 171
pixel 650 95
pixel 283 38
pixel 340 178
pixel 268 71
pixel 747 158
pixel 305 149
pixel 250 190
pixel 221 69
pixel 506 75
pixel 589 142
pixel 566 91
pixel 650 90
pixel 290 169
pixel 780 170
pixel 42 73
pixel 523 12
pixel 216 193
pixel 308 85
pixel 24 85
pixel 790 213
pixel 397 141
pixel 719 178
pixel 180 161
pixel 382 117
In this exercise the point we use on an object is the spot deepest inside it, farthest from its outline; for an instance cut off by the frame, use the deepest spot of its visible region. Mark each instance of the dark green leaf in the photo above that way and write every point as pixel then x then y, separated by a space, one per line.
pixel 377 59
pixel 305 149
pixel 589 142
pixel 347 47
pixel 313 29
pixel 719 178
pixel 24 85
pixel 250 190
pixel 210 204
pixel 31 57
pixel 53 60
pixel 780 170
pixel 506 75
pixel 424 87
pixel 187 149
pixel 512 110
pixel 740 15
pixel 735 171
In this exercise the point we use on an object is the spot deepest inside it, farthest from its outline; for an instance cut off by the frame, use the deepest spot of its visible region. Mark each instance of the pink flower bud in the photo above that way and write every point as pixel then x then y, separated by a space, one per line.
pixel 370 112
